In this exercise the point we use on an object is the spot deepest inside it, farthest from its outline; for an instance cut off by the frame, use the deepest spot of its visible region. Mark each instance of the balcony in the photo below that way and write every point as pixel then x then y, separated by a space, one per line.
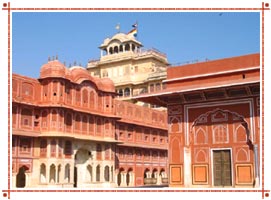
pixel 141 53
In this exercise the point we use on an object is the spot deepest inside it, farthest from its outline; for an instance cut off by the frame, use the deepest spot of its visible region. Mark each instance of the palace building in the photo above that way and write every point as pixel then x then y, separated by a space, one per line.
pixel 68 130
pixel 133 70
pixel 214 122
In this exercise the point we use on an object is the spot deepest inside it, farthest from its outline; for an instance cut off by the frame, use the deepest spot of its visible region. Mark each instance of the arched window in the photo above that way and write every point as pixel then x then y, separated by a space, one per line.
pixel 60 148
pixel 42 173
pixel 99 152
pixel 52 178
pixel 68 148
pixel 85 98
pixel 98 168
pixel 91 99
pixel 25 145
pixel 68 91
pixel 116 50
pixel 110 50
pixel 45 89
pixel 147 173
pixel 91 125
pixel 44 119
pixel 68 121
pixel 43 148
pixel 127 47
pixel 78 96
pixel 53 148
pixel 121 48
pixel 84 125
pixel 99 126
pixel 106 174
pixel 107 152
pixel 220 134
pixel 78 122
pixel 126 92
pixel 67 173
pixel 157 86
pixel 151 88
pixel 120 93
pixel 26 117
pixel 89 173
pixel 133 47
pixel 54 119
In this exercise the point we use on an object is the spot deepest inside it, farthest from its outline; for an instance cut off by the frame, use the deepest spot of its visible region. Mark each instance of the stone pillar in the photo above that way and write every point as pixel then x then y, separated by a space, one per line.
pixel 123 179
pixel 72 165
pixel 93 173
pixel 257 178
pixel 159 180
pixel 187 167
pixel 102 173
pixel 116 179
pixel 47 173
pixel 132 181
pixel 55 181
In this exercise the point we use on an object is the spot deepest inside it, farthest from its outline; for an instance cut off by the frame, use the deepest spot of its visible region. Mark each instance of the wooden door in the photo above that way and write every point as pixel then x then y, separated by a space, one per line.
pixel 222 168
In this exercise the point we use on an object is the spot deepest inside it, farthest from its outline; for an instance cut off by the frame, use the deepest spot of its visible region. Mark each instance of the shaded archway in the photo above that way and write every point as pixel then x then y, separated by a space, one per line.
pixel 106 174
pixel 147 177
pixel 21 177
pixel 121 170
pixel 42 173
pixel 81 170
pixel 129 177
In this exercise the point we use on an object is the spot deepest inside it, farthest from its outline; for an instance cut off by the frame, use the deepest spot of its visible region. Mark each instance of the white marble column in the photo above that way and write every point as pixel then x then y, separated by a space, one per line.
pixel 187 167
pixel 123 179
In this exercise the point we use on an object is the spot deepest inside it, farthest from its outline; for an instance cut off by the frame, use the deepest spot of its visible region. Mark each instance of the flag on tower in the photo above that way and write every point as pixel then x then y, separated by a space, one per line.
pixel 133 32
pixel 135 25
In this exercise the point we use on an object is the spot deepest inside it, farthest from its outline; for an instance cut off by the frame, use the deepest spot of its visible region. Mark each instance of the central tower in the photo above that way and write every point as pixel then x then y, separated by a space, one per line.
pixel 133 70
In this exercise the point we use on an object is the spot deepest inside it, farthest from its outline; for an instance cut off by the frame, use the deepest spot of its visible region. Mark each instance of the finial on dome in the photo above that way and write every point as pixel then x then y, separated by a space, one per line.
pixel 56 57
pixel 49 58
pixel 74 64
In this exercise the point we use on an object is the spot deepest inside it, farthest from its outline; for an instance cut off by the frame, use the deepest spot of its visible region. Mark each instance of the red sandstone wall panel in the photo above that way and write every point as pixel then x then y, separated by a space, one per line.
pixel 176 174
pixel 244 174
pixel 200 174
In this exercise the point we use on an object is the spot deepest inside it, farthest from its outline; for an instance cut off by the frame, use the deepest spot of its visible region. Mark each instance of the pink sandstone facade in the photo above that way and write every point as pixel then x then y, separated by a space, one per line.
pixel 69 131
pixel 214 122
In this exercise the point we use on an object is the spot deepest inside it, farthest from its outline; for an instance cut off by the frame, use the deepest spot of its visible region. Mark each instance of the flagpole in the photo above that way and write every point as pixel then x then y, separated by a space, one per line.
pixel 136 27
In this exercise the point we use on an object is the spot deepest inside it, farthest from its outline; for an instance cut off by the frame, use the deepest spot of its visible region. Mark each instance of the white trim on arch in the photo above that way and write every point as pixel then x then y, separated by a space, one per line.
pixel 248 101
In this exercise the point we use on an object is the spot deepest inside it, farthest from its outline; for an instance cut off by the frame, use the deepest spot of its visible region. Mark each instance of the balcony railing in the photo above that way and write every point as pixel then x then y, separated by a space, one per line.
pixel 127 54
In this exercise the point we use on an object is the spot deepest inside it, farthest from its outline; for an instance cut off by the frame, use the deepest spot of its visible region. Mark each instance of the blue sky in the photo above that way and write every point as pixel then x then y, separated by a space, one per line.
pixel 183 36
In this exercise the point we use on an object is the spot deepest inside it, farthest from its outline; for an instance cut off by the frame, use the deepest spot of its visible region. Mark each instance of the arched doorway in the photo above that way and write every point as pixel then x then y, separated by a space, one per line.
pixel 82 157
pixel 21 177
pixel 154 176
pixel 119 181
pixel 129 177
pixel 147 178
